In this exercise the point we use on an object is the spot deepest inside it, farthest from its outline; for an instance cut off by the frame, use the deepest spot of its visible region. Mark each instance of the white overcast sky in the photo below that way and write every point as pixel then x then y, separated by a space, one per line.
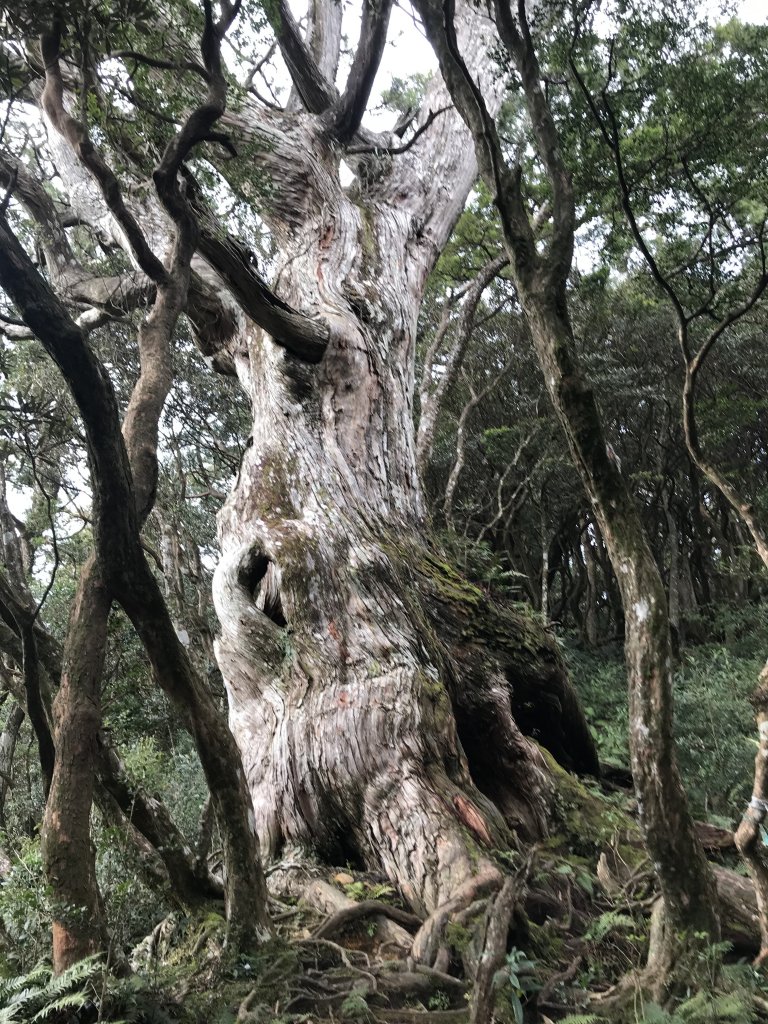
pixel 408 51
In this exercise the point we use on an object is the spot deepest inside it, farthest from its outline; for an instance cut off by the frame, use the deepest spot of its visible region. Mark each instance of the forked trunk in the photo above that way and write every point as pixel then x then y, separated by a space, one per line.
pixel 338 622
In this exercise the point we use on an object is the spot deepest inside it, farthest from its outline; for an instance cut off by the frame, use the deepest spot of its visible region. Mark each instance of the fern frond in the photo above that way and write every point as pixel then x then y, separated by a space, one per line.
pixel 79 973
pixel 70 1001
pixel 37 977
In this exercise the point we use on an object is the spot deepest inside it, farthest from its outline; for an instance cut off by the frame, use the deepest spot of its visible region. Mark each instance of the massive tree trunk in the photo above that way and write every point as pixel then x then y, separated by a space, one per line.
pixel 377 699
pixel 363 730
pixel 344 692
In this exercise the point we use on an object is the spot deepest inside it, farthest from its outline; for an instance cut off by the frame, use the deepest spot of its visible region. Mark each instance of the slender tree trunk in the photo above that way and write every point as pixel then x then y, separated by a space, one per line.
pixel 544 573
pixel 245 893
pixel 591 622
pixel 673 580
pixel 8 740
pixel 68 855
pixel 684 878
pixel 687 887
pixel 749 840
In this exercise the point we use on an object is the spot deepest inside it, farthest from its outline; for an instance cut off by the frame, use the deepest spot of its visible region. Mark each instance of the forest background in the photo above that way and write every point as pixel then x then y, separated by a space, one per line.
pixel 661 119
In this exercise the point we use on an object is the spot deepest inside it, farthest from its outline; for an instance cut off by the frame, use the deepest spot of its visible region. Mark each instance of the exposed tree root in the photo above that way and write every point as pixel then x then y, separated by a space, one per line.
pixel 497 922
pixel 327 899
pixel 404 1016
pixel 365 909
pixel 430 936
pixel 547 991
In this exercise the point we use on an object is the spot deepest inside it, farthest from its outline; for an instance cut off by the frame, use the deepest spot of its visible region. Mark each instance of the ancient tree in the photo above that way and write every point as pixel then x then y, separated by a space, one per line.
pixel 376 698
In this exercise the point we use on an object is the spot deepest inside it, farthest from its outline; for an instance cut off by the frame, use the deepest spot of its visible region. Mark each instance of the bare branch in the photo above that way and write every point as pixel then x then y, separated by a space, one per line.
pixel 520 45
pixel 433 390
pixel 438 19
pixel 347 114
pixel 396 150
pixel 316 92
pixel 163 65
pixel 52 101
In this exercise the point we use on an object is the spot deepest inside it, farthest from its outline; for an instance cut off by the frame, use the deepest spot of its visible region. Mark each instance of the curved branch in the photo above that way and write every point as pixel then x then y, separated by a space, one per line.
pixel 305 338
pixel 115 295
pixel 347 114
pixel 405 146
pixel 520 45
pixel 316 92
pixel 438 19
pixel 52 101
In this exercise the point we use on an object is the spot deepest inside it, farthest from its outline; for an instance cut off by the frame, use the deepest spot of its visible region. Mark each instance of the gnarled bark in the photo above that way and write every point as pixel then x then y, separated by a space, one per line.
pixel 377 709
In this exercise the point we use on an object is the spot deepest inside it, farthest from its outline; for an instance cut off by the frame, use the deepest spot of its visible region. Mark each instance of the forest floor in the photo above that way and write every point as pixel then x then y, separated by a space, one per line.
pixel 584 899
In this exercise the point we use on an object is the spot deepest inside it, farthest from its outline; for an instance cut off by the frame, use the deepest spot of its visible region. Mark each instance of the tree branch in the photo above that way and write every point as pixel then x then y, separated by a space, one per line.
pixel 520 45
pixel 397 150
pixel 52 101
pixel 305 338
pixel 116 294
pixel 347 114
pixel 438 19
pixel 316 92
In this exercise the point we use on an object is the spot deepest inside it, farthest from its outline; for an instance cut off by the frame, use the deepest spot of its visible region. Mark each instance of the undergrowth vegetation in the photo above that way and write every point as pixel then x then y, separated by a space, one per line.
pixel 714 721
pixel 589 892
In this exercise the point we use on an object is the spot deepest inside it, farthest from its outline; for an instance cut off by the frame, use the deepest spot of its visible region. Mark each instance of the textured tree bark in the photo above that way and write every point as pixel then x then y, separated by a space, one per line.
pixel 365 678
pixel 591 622
pixel 335 677
pixel 68 856
pixel 748 835
pixel 362 723
pixel 684 878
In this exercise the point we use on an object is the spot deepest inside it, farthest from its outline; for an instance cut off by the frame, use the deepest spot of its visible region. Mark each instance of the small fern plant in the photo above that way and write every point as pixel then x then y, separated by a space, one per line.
pixel 42 996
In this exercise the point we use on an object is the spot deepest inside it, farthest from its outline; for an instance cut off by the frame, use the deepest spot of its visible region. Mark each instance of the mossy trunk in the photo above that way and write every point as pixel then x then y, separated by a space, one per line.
pixel 378 699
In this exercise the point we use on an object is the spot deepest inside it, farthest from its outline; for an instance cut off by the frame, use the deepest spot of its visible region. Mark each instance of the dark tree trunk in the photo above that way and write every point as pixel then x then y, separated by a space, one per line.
pixel 8 739
pixel 68 856
pixel 541 275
